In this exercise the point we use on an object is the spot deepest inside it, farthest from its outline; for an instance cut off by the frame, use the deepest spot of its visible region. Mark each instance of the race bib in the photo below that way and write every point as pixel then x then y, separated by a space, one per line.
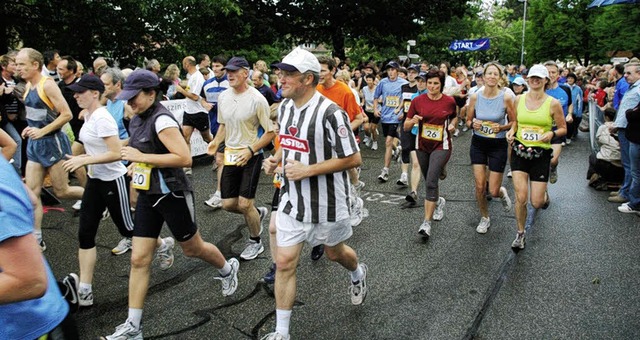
pixel 407 104
pixel 432 132
pixel 486 130
pixel 392 101
pixel 232 156
pixel 141 176
pixel 532 133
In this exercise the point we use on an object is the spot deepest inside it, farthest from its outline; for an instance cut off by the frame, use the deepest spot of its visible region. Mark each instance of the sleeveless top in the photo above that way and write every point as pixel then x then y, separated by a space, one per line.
pixel 490 110
pixel 145 138
pixel 39 113
pixel 533 123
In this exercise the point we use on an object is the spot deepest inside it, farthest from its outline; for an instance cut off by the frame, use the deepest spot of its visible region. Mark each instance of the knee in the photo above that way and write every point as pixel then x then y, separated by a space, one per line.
pixel 480 188
pixel 141 260
pixel 388 142
pixel 245 206
pixel 521 198
pixel 286 263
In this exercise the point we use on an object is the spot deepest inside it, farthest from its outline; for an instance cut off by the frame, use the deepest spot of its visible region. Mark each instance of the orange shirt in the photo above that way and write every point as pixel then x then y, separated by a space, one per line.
pixel 341 94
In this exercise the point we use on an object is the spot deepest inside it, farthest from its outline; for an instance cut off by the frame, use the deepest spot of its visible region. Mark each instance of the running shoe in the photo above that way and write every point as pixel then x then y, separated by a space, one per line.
pixel 384 175
pixel 518 243
pixel 358 290
pixel 465 128
pixel 275 336
pixel 85 298
pixel 165 256
pixel 509 174
pixel 396 154
pixel 505 200
pixel 553 175
pixel 367 141
pixel 443 174
pixel 69 291
pixel 412 197
pixel 357 189
pixel 483 227
pixel 317 252
pixel 356 212
pixel 252 250
pixel 126 331
pixel 374 145
pixel 77 205
pixel 425 229
pixel 188 171
pixel 123 246
pixel 43 246
pixel 403 180
pixel 270 276
pixel 105 214
pixel 456 133
pixel 438 214
pixel 617 199
pixel 627 209
pixel 263 212
pixel 215 201
pixel 568 141
pixel 547 200
pixel 230 282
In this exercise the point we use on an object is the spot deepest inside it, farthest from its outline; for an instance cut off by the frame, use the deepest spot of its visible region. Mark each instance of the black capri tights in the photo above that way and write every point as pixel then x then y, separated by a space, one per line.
pixel 431 164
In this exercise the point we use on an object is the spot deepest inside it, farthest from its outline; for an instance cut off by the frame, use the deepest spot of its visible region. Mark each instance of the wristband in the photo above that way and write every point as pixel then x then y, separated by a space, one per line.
pixel 250 149
pixel 554 134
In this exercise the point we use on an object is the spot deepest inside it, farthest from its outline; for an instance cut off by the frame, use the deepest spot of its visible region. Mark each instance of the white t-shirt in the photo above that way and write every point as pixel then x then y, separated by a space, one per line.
pixel 196 80
pixel 164 122
pixel 242 114
pixel 98 125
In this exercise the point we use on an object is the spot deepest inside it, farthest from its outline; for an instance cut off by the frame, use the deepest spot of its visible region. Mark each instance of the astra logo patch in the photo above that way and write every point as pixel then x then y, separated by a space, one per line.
pixel 293 130
pixel 293 143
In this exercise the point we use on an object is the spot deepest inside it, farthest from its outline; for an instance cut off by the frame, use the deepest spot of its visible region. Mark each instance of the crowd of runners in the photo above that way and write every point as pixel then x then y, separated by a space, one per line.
pixel 301 120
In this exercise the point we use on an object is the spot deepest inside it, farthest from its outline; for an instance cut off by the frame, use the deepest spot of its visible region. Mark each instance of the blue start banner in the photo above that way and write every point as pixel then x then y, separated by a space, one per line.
pixel 470 45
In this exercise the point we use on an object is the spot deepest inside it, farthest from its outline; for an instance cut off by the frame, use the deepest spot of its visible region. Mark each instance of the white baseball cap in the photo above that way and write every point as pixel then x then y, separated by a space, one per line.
pixel 299 60
pixel 539 71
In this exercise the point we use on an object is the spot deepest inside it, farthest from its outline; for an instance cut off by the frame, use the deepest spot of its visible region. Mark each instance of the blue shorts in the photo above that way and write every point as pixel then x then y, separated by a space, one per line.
pixel 48 150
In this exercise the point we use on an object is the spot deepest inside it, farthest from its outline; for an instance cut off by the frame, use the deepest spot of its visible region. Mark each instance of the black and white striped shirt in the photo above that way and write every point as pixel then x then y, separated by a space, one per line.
pixel 314 133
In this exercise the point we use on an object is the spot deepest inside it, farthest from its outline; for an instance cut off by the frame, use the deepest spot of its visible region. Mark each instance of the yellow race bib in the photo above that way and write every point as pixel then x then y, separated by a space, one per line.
pixel 232 155
pixel 141 176
pixel 392 101
pixel 432 132
pixel 407 105
pixel 531 133
pixel 486 130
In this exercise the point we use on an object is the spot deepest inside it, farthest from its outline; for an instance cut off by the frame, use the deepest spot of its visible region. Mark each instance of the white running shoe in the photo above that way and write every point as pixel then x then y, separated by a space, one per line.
pixel 356 212
pixel 358 290
pixel 438 214
pixel 425 229
pixel 123 246
pixel 384 175
pixel 126 331
pixel 188 171
pixel 275 336
pixel 374 145
pixel 263 212
pixel 403 180
pixel 483 227
pixel 230 282
pixel 252 250
pixel 77 205
pixel 357 189
pixel 215 201
pixel 505 200
pixel 165 256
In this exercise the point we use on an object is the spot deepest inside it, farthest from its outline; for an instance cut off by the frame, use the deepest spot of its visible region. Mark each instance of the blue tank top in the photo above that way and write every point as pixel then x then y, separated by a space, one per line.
pixel 33 318
pixel 492 110
pixel 39 114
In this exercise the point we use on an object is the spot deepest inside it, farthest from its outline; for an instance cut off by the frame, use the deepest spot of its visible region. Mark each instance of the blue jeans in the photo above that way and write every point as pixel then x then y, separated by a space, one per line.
pixel 634 190
pixel 626 165
pixel 13 133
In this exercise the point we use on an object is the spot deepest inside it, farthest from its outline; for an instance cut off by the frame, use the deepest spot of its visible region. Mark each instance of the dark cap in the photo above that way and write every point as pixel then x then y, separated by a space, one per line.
pixel 87 82
pixel 136 82
pixel 236 63
pixel 370 65
pixel 479 73
pixel 422 75
pixel 415 67
pixel 392 64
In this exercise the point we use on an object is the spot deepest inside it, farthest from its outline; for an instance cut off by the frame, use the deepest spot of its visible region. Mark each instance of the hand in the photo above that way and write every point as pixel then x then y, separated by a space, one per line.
pixel 400 116
pixel 376 113
pixel 416 119
pixel 131 154
pixel 569 118
pixel 212 148
pixel 295 170
pixel 510 136
pixel 269 165
pixel 32 132
pixel 73 163
pixel 547 137
pixel 476 124
pixel 495 127
pixel 245 156
pixel 130 169
pixel 451 128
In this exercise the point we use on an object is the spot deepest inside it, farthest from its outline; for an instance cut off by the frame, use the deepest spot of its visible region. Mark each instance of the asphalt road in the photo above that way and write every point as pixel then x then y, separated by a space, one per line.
pixel 577 278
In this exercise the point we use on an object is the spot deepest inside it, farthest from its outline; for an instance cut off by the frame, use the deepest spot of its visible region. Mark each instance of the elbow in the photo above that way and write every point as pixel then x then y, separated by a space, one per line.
pixel 35 287
pixel 356 160
pixel 186 161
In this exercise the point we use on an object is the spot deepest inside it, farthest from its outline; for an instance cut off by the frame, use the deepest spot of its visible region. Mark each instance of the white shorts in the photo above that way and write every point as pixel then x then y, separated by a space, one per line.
pixel 291 231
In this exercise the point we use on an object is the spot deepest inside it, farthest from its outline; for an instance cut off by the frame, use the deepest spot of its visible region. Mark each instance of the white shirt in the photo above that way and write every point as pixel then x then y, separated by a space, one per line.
pixel 196 80
pixel 98 125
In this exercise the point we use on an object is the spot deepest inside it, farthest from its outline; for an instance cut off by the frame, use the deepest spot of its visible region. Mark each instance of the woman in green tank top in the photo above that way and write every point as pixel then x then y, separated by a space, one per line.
pixel 530 139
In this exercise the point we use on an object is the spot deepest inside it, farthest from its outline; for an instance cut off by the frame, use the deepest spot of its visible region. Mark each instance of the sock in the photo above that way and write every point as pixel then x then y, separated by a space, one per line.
pixel 85 287
pixel 385 169
pixel 282 321
pixel 135 317
pixel 256 239
pixel 218 193
pixel 225 270
pixel 163 245
pixel 357 274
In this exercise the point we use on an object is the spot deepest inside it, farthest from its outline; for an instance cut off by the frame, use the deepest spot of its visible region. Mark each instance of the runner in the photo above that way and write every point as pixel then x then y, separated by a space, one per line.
pixel 490 114
pixel 562 93
pixel 159 152
pixel 317 147
pixel 530 138
pixel 435 114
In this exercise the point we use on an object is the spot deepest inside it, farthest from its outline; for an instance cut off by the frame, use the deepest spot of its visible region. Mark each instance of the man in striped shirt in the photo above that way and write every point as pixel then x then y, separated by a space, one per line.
pixel 317 147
